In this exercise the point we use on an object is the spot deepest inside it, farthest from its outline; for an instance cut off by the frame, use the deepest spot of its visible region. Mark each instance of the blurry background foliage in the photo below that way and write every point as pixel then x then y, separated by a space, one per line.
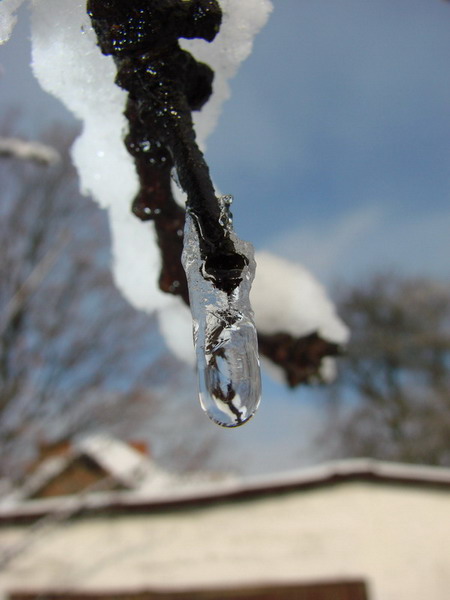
pixel 392 399
pixel 75 357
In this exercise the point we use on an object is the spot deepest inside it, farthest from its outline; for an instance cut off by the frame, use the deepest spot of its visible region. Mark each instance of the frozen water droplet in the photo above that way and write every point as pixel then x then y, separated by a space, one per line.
pixel 145 146
pixel 226 218
pixel 224 337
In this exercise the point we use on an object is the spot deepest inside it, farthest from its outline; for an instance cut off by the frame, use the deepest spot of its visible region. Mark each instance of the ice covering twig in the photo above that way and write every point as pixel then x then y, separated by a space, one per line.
pixel 224 334
pixel 165 84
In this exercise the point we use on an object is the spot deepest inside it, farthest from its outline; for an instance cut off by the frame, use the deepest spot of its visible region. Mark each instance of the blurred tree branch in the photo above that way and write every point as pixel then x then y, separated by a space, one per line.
pixel 392 400
pixel 27 150
pixel 73 352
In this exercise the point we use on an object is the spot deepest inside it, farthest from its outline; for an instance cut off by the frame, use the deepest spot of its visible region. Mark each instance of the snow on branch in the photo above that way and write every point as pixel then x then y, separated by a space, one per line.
pixel 26 150
pixel 297 325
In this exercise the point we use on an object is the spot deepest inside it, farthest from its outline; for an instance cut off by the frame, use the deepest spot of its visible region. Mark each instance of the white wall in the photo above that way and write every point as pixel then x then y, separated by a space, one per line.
pixel 396 538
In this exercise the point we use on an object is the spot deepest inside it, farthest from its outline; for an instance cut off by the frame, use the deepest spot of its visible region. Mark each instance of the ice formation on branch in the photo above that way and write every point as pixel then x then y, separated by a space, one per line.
pixel 290 306
pixel 224 335
pixel 68 64
pixel 165 84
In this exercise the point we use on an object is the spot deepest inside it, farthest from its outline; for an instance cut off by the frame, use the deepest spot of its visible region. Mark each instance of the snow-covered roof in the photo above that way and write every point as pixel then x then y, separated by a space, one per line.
pixel 117 458
pixel 175 492
pixel 120 462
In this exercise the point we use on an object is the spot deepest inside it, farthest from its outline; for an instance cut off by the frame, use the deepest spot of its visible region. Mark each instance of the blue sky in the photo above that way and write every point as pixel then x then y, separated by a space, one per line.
pixel 336 140
pixel 336 146
pixel 338 131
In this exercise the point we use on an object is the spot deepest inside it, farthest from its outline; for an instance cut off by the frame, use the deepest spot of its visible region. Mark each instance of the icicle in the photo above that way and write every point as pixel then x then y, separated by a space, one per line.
pixel 224 334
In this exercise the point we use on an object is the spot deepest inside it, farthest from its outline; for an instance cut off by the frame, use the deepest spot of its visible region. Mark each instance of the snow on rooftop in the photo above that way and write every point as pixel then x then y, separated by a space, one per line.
pixel 49 469
pixel 209 489
pixel 122 461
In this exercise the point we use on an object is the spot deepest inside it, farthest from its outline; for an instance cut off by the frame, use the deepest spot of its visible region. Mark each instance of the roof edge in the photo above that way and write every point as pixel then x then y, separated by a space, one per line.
pixel 326 474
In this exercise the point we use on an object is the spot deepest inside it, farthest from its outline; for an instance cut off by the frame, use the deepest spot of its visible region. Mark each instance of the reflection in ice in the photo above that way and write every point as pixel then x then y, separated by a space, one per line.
pixel 224 337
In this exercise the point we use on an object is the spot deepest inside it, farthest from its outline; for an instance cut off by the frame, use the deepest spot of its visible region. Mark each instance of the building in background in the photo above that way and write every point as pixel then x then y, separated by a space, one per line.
pixel 102 521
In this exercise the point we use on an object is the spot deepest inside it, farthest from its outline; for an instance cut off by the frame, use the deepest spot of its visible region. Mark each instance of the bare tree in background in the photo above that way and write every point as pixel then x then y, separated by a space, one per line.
pixel 73 354
pixel 392 400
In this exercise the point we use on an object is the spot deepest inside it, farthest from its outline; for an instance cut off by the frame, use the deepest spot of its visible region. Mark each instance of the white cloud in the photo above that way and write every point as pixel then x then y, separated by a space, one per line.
pixel 323 247
pixel 370 238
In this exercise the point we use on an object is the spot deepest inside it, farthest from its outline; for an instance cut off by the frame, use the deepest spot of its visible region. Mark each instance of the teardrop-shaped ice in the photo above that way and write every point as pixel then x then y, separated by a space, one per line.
pixel 224 337
pixel 229 379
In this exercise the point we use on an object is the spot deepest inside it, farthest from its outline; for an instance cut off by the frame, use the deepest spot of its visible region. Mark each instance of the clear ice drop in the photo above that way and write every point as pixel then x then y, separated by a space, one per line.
pixel 225 338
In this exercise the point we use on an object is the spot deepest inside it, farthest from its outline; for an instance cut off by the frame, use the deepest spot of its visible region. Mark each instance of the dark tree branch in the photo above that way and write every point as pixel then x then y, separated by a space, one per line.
pixel 396 371
pixel 67 337
pixel 165 84
pixel 300 358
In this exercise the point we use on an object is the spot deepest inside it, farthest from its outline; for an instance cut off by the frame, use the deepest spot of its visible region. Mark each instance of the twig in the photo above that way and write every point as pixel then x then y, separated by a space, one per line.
pixel 25 150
